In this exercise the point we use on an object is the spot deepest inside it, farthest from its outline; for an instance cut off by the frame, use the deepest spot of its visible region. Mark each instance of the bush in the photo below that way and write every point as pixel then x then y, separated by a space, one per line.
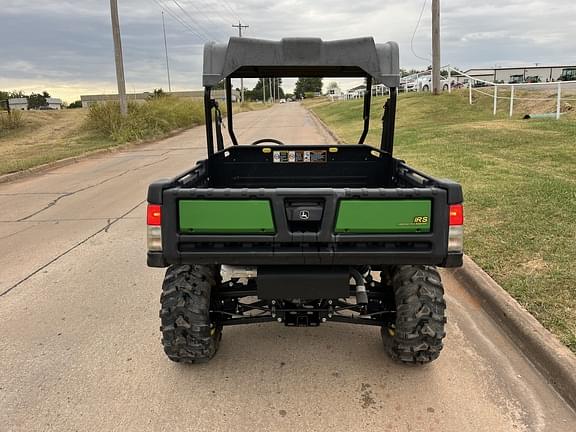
pixel 150 119
pixel 11 121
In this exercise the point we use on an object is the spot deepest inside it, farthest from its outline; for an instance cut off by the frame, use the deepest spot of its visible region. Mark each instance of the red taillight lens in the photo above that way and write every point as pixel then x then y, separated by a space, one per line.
pixel 154 215
pixel 456 215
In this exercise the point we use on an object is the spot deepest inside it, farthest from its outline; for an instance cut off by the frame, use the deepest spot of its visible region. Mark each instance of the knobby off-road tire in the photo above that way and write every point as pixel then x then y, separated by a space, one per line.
pixel 188 335
pixel 417 335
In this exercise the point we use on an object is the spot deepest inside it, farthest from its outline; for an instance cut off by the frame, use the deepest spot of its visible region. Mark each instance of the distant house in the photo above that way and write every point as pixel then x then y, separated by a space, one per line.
pixel 89 100
pixel 356 92
pixel 18 104
pixel 54 103
pixel 333 91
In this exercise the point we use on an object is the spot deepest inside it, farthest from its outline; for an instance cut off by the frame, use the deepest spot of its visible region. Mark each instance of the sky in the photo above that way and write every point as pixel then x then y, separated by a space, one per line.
pixel 65 47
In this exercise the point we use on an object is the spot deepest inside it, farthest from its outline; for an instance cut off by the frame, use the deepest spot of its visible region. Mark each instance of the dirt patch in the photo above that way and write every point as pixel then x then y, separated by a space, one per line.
pixel 366 397
pixel 537 265
pixel 492 125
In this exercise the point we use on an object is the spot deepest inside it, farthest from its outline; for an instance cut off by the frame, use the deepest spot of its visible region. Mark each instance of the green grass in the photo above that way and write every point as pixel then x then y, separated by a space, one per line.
pixel 519 180
pixel 151 119
pixel 40 137
pixel 10 122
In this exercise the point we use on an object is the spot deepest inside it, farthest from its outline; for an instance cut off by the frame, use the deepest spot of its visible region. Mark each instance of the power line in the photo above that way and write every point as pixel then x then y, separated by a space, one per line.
pixel 198 10
pixel 192 19
pixel 181 22
pixel 207 7
pixel 234 16
pixel 414 34
pixel 203 37
pixel 231 9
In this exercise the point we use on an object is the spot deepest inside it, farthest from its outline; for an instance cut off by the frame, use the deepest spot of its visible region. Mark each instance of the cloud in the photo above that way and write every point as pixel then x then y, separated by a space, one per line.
pixel 66 46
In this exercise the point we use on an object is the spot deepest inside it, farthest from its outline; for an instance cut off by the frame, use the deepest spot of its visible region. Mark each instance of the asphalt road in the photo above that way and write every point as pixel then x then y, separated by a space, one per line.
pixel 80 344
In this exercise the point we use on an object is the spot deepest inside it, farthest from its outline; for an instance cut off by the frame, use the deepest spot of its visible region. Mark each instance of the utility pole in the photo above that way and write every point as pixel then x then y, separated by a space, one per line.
pixel 166 51
pixel 240 27
pixel 436 46
pixel 271 94
pixel 278 88
pixel 118 57
pixel 264 90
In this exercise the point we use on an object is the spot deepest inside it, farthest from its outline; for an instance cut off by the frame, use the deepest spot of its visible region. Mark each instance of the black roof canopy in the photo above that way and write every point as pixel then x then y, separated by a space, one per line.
pixel 301 57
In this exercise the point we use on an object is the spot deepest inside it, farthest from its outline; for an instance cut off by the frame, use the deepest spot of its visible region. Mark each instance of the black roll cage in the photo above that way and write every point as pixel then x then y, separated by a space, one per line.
pixel 210 105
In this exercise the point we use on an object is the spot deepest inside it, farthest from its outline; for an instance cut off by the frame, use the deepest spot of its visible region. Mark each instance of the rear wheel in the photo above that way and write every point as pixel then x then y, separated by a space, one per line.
pixel 426 88
pixel 189 335
pixel 416 336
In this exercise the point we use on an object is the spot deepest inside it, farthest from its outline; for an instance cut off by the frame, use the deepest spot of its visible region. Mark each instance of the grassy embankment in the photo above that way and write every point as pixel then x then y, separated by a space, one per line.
pixel 519 180
pixel 47 136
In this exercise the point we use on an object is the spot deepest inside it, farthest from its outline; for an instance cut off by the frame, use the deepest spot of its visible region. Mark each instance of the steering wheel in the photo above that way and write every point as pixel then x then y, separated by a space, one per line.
pixel 267 140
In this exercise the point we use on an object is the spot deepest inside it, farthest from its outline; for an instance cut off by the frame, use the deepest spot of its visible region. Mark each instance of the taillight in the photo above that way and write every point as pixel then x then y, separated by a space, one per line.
pixel 456 229
pixel 154 215
pixel 154 220
pixel 456 215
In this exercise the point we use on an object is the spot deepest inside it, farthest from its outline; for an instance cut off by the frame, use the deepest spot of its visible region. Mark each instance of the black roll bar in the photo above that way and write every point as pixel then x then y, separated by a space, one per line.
pixel 229 111
pixel 208 120
pixel 388 119
pixel 388 122
pixel 219 137
pixel 366 115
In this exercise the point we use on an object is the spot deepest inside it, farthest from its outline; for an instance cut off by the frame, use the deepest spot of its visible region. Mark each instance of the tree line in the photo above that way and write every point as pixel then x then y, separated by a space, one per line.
pixel 305 87
pixel 35 100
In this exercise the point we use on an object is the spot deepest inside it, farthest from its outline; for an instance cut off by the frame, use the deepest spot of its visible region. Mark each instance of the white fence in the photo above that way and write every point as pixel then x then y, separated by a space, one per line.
pixel 559 92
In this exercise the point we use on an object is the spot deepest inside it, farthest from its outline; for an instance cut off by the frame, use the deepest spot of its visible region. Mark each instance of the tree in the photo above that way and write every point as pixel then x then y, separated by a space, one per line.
pixel 258 94
pixel 157 93
pixel 75 104
pixel 307 85
pixel 279 90
pixel 37 100
pixel 333 88
pixel 17 94
pixel 4 95
pixel 405 72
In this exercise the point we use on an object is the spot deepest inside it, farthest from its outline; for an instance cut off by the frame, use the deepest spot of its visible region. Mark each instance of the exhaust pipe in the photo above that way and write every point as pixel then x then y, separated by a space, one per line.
pixel 361 295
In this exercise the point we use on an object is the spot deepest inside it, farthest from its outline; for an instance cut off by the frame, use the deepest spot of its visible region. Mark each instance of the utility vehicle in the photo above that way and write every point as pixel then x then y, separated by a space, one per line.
pixel 568 74
pixel 303 234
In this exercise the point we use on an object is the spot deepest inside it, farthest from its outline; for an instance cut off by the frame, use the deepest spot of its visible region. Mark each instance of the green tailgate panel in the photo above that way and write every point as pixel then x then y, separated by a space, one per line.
pixel 226 217
pixel 380 216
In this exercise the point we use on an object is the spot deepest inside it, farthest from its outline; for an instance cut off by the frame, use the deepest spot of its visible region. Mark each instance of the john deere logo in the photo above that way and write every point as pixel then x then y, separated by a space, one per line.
pixel 304 214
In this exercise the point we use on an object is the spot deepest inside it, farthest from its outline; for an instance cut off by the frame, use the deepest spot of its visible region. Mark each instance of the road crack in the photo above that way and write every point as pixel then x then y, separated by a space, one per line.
pixel 68 194
pixel 67 251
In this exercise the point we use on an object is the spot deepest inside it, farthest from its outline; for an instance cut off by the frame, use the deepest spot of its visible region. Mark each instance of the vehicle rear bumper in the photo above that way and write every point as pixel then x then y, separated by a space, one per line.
pixel 309 257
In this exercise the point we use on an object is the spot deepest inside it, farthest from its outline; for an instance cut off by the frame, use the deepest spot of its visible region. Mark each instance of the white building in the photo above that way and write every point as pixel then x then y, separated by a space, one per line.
pixel 356 92
pixel 18 104
pixel 509 75
pixel 54 103
pixel 89 100
pixel 333 91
